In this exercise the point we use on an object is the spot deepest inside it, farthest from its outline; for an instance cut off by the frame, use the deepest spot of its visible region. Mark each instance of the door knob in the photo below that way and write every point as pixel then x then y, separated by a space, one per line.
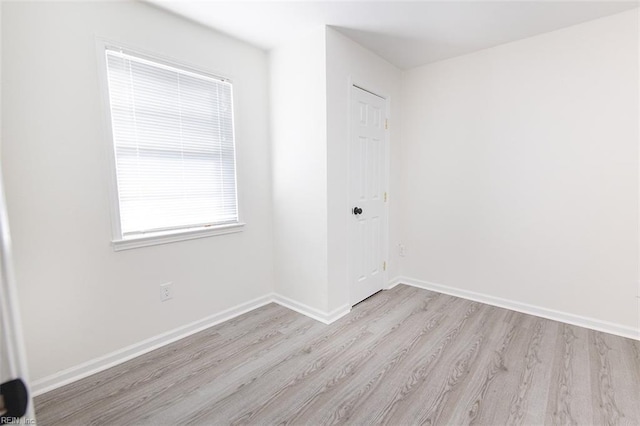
pixel 357 210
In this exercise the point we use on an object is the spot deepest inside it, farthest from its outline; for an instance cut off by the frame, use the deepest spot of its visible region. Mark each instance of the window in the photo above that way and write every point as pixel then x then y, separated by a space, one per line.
pixel 174 148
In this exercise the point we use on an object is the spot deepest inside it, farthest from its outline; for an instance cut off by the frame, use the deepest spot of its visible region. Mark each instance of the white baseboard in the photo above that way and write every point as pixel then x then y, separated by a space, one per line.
pixel 70 375
pixel 586 322
pixel 112 359
pixel 316 314
pixel 394 282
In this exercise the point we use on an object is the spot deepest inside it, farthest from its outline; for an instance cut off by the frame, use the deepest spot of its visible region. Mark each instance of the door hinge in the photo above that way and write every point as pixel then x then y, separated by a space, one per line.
pixel 384 266
pixel 385 197
pixel 386 123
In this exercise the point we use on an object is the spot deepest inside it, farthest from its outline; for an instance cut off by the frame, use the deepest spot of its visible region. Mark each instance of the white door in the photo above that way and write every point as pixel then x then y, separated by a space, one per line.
pixel 367 151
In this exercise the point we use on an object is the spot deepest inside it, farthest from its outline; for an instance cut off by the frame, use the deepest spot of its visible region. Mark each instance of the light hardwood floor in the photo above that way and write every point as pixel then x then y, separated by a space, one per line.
pixel 403 356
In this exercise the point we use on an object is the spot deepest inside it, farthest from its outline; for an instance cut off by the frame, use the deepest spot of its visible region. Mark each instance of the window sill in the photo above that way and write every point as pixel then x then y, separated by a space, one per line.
pixel 171 237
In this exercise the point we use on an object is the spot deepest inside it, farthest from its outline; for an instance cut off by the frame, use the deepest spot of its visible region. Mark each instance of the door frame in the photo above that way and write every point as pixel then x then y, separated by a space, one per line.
pixel 11 340
pixel 385 180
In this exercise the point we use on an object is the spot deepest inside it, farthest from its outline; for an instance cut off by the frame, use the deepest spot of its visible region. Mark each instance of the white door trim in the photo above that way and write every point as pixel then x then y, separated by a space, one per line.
pixel 13 356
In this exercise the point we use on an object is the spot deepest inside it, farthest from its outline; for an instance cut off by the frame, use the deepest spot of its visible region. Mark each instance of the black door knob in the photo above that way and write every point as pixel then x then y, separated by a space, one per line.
pixel 357 210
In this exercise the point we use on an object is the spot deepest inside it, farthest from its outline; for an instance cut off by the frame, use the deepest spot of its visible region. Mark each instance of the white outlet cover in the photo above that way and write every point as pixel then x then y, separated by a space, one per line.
pixel 166 291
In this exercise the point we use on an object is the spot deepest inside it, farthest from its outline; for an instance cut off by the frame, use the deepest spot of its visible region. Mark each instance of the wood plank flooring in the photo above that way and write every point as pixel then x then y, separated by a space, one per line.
pixel 404 356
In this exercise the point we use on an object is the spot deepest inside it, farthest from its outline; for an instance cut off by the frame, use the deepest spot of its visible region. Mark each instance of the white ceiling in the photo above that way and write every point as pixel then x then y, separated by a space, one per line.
pixel 407 34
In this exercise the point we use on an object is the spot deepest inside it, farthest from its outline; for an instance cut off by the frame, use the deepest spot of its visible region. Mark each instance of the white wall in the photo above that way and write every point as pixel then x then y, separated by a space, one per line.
pixel 517 175
pixel 79 298
pixel 349 63
pixel 520 165
pixel 299 168
pixel 310 91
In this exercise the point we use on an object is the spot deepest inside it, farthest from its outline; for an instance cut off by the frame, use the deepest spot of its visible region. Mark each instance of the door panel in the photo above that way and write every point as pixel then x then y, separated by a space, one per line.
pixel 367 165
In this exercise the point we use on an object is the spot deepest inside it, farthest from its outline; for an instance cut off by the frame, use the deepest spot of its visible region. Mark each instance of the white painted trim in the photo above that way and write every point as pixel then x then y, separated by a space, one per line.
pixel 120 356
pixel 565 317
pixel 171 237
pixel 394 282
pixel 112 359
pixel 107 130
pixel 316 314
pixel 117 241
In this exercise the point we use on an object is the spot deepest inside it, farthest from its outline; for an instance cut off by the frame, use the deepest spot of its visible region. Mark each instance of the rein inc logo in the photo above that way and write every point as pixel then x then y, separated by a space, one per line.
pixel 17 421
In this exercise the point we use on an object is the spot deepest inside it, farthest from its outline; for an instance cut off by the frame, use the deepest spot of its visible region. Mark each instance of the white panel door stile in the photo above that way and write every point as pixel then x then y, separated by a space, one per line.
pixel 367 167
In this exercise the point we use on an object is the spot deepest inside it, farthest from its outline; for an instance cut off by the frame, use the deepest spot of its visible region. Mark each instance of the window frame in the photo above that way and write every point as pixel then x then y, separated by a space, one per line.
pixel 118 241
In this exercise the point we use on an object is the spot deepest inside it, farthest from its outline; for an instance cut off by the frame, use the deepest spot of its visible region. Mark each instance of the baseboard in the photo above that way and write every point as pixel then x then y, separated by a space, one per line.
pixel 586 322
pixel 112 359
pixel 70 375
pixel 394 282
pixel 316 314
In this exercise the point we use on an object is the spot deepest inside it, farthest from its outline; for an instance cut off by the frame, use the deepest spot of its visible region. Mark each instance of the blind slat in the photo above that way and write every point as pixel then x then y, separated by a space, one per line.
pixel 174 145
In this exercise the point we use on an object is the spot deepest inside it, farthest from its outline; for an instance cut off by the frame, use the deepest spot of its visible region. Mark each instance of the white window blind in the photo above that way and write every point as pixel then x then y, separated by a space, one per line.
pixel 174 146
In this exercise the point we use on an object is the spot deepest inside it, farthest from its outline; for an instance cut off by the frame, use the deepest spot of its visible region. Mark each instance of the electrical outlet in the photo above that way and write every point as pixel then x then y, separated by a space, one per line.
pixel 166 291
pixel 402 250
